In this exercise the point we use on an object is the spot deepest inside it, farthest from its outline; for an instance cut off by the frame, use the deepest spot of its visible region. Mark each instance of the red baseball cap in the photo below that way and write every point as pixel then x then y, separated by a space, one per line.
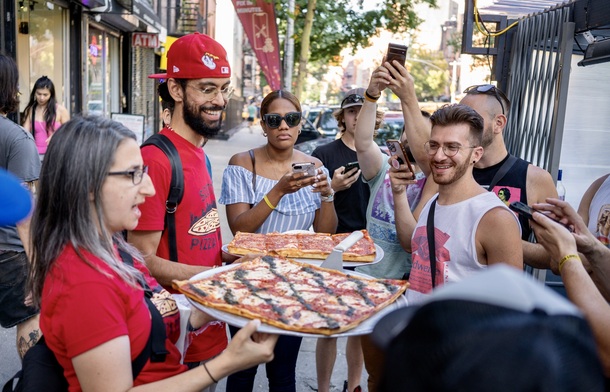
pixel 196 56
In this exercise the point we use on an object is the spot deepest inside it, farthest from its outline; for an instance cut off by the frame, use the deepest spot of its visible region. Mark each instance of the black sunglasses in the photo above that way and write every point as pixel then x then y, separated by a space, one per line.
pixel 489 89
pixel 352 98
pixel 274 120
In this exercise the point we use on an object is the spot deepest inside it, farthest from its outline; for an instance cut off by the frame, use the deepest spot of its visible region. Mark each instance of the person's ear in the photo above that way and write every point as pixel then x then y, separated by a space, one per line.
pixel 499 123
pixel 477 154
pixel 175 90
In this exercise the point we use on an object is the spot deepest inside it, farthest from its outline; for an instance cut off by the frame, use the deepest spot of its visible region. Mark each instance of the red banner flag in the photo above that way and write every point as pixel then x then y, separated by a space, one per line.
pixel 258 19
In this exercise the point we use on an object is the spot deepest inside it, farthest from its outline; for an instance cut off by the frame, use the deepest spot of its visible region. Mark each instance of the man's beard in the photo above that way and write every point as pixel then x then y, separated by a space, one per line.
pixel 488 137
pixel 193 118
pixel 459 171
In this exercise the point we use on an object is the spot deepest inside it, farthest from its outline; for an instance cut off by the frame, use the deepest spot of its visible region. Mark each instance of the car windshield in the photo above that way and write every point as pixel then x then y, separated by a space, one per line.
pixel 313 113
pixel 390 129
pixel 328 121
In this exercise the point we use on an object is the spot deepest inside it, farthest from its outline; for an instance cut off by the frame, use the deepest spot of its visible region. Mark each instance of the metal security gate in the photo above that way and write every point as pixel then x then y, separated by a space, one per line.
pixel 537 87
pixel 144 97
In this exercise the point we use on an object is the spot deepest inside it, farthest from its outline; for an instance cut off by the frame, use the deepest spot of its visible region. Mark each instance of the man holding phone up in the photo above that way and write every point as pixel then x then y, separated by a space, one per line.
pixel 527 183
pixel 351 200
pixel 465 228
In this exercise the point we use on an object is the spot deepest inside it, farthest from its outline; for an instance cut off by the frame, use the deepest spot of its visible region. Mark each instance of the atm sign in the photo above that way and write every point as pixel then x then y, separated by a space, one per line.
pixel 145 40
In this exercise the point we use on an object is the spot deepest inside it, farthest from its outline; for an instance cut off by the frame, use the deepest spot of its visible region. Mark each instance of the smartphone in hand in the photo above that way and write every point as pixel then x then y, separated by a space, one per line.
pixel 309 168
pixel 522 209
pixel 350 166
pixel 396 148
pixel 527 212
pixel 396 52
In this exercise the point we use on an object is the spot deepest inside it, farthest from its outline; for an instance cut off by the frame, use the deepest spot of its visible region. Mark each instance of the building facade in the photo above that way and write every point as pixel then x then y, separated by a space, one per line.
pixel 98 53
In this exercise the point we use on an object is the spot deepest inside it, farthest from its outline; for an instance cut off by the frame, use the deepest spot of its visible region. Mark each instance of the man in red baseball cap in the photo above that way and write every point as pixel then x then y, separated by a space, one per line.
pixel 198 79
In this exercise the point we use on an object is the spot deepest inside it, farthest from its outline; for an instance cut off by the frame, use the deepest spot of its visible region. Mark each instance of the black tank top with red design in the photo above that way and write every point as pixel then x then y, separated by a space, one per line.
pixel 511 187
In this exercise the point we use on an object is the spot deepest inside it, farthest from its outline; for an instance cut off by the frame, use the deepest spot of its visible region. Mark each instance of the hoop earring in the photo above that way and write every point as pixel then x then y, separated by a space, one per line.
pixel 264 134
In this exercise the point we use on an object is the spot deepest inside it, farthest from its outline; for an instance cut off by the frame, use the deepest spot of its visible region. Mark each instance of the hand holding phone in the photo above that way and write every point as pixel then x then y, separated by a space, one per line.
pixel 396 52
pixel 350 166
pixel 522 209
pixel 309 168
pixel 396 148
pixel 527 212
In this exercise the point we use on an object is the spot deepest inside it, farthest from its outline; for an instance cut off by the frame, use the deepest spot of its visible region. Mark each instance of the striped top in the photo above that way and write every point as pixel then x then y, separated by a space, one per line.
pixel 295 211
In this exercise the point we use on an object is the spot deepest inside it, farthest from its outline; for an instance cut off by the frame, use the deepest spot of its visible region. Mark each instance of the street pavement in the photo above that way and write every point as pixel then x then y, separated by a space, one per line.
pixel 219 151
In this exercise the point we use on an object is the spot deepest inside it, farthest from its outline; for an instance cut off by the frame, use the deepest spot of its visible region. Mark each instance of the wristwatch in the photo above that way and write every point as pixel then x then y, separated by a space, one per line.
pixel 330 197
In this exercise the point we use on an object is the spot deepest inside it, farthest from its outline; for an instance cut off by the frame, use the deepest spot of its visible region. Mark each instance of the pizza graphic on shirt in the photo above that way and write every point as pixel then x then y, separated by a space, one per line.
pixel 207 224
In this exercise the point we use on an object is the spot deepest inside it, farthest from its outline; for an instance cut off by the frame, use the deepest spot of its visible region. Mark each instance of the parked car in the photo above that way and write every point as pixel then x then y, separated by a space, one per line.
pixel 326 124
pixel 391 128
pixel 308 132
pixel 312 113
pixel 309 146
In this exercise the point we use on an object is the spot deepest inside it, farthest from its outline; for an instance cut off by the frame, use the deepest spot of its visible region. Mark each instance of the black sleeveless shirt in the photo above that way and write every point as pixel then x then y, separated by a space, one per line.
pixel 512 187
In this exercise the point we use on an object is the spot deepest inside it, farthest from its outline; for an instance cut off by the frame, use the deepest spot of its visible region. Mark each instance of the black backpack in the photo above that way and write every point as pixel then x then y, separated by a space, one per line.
pixel 176 187
pixel 40 370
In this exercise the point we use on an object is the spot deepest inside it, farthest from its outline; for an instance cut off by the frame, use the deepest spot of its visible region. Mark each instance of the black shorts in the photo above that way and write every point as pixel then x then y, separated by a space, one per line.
pixel 251 119
pixel 13 273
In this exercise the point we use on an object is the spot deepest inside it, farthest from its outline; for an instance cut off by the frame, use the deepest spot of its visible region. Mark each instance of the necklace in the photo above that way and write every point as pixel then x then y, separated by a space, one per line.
pixel 274 164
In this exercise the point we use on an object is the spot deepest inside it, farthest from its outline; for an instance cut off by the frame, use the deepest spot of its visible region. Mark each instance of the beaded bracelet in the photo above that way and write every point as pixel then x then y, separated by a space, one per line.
pixel 566 258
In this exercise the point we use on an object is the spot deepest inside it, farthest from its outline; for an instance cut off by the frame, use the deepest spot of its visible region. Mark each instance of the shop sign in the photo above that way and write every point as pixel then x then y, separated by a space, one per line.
pixel 145 40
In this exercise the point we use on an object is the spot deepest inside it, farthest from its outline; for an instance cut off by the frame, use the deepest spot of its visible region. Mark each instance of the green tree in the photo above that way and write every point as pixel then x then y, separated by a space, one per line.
pixel 430 71
pixel 338 24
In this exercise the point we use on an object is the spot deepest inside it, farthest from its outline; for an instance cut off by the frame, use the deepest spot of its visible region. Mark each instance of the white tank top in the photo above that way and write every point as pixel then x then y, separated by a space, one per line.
pixel 599 213
pixel 455 228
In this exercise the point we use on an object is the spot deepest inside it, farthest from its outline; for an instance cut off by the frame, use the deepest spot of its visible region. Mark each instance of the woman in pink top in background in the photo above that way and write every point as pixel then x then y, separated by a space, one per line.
pixel 48 114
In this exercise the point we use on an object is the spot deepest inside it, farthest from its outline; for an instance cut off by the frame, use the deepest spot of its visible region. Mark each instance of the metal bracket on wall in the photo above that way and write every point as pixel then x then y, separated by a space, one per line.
pixel 500 43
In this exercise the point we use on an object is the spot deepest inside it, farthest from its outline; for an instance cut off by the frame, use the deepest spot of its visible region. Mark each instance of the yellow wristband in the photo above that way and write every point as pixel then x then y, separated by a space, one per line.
pixel 268 202
pixel 566 258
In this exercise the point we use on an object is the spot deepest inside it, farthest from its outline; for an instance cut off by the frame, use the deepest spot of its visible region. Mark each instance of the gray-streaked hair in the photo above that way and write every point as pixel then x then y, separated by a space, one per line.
pixel 69 209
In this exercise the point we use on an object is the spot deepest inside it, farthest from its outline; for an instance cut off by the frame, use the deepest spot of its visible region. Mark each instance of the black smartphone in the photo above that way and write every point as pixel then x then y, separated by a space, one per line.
pixel 309 168
pixel 522 209
pixel 350 166
pixel 396 52
pixel 396 148
pixel 527 211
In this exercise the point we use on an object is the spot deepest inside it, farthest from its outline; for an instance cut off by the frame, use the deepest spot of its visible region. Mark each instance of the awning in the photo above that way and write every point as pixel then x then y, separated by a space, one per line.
pixel 91 3
pixel 141 9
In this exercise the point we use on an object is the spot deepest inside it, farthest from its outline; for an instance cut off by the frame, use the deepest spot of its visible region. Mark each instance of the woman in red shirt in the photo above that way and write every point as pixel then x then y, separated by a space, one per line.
pixel 93 313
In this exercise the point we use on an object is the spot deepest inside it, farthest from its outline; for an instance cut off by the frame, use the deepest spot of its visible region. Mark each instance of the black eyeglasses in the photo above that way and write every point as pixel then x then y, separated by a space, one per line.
pixel 352 98
pixel 136 174
pixel 449 150
pixel 489 89
pixel 274 120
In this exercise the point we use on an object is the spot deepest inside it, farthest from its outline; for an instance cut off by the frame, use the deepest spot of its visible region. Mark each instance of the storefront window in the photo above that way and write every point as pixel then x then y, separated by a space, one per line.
pixel 102 84
pixel 41 43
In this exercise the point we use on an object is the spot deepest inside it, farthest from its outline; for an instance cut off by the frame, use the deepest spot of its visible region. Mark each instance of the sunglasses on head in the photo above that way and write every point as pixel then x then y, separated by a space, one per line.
pixel 352 98
pixel 274 120
pixel 488 89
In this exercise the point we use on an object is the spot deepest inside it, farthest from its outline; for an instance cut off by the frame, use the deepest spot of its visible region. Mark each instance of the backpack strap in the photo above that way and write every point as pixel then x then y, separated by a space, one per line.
pixel 506 166
pixel 176 188
pixel 155 346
